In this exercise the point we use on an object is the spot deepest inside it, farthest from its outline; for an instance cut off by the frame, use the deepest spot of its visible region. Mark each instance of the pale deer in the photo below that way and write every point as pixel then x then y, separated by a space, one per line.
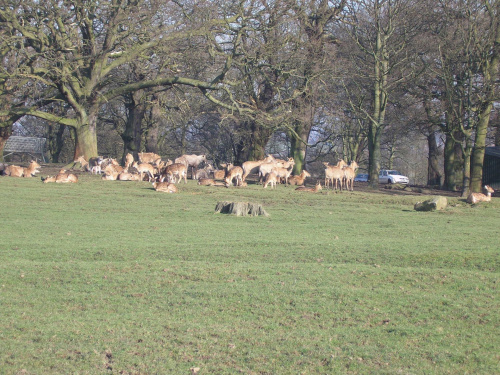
pixel 192 161
pixel 266 168
pixel 300 179
pixel 165 187
pixel 95 164
pixel 271 179
pixel 474 198
pixel 309 189
pixel 334 173
pixel 204 172
pixel 129 160
pixel 252 166
pixel 283 173
pixel 350 175
pixel 235 173
pixel 16 171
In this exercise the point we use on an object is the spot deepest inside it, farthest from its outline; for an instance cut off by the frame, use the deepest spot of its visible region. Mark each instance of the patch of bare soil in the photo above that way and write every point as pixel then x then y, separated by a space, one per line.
pixel 404 190
pixel 51 169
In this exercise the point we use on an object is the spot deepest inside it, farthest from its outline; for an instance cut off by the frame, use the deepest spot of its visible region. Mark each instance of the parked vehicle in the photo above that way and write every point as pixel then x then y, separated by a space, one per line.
pixel 362 177
pixel 390 176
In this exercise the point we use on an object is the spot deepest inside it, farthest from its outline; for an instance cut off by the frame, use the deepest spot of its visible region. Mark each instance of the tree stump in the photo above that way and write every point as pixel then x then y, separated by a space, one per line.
pixel 240 209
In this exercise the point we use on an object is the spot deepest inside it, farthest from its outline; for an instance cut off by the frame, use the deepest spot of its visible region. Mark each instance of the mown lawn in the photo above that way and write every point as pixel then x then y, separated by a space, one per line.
pixel 113 277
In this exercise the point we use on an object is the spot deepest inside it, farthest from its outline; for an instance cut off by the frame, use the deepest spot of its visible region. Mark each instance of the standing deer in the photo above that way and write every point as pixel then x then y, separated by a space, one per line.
pixel 350 175
pixel 191 161
pixel 334 172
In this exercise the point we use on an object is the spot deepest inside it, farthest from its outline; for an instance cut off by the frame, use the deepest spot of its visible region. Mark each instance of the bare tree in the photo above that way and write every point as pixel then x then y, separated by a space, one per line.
pixel 382 59
pixel 77 49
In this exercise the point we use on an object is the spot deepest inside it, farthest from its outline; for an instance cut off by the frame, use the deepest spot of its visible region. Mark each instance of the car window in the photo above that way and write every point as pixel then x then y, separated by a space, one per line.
pixel 395 173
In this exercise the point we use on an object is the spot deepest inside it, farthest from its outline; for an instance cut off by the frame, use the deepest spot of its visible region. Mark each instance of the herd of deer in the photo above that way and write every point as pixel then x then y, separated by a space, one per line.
pixel 165 174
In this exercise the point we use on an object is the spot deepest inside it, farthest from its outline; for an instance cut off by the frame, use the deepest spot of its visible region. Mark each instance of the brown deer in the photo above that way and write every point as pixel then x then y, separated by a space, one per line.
pixel 206 182
pixel 235 173
pixel 309 189
pixel 61 178
pixel 149 157
pixel 84 163
pixel 144 167
pixel 165 187
pixel 300 179
pixel 16 171
pixel 172 170
pixel 127 176
pixel 220 174
pixel 474 198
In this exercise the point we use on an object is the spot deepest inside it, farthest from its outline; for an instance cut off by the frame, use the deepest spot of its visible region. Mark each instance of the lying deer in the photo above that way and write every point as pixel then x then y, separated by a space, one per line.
pixel 16 171
pixel 165 187
pixel 127 176
pixel 300 179
pixel 309 189
pixel 61 178
pixel 478 197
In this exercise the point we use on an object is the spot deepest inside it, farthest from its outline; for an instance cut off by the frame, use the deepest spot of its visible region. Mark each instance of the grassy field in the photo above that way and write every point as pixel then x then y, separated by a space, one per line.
pixel 113 277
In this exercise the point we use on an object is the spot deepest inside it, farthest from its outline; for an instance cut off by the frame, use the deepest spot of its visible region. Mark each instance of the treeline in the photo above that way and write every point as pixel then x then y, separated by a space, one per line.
pixel 348 78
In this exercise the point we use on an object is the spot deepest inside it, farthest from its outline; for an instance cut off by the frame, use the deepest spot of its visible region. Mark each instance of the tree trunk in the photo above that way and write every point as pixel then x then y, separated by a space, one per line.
pixel 5 133
pixel 253 146
pixel 479 149
pixel 467 167
pixel 298 147
pixel 86 136
pixel 55 141
pixel 452 164
pixel 433 174
pixel 132 134
pixel 374 154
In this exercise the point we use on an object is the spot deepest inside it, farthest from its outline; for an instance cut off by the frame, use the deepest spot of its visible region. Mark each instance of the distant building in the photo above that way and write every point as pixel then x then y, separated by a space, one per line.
pixel 491 167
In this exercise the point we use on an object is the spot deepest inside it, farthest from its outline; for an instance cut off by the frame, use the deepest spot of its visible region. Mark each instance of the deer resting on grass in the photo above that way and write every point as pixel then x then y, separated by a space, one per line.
pixel 474 198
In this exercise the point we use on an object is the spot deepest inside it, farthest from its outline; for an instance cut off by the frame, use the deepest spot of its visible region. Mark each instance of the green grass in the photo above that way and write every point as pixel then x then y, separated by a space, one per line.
pixel 113 277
